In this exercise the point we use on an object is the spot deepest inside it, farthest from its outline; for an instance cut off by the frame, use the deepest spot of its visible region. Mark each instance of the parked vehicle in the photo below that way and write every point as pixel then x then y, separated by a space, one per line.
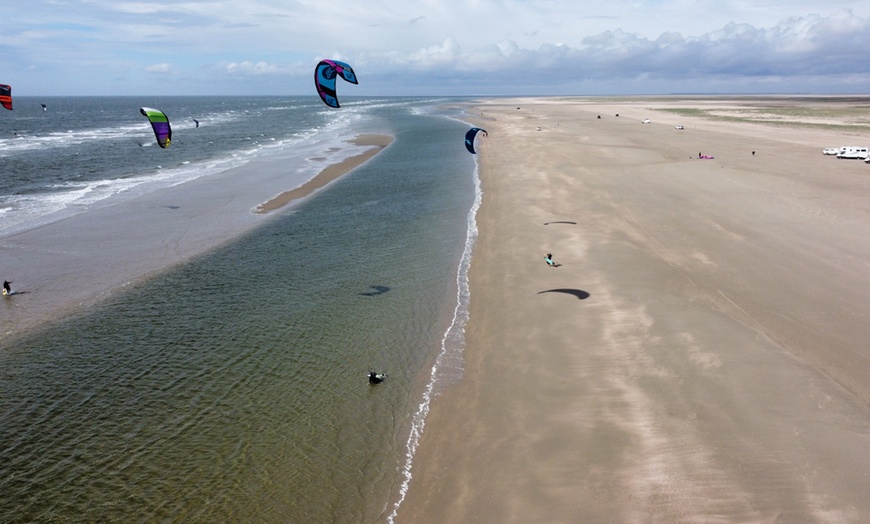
pixel 679 127
pixel 833 150
pixel 859 153
pixel 645 121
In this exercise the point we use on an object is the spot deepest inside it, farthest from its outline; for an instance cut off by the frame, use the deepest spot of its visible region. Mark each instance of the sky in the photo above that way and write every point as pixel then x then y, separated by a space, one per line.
pixel 436 47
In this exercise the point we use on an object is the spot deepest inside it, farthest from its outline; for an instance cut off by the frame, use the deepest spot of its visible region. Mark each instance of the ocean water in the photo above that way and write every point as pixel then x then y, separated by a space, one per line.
pixel 233 388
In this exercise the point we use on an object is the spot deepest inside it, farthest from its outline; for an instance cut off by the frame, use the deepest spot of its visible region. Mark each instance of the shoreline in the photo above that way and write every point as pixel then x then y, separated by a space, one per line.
pixel 698 354
pixel 329 173
pixel 66 266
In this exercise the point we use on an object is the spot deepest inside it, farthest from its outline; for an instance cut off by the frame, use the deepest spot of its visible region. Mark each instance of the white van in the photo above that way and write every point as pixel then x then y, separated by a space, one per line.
pixel 859 153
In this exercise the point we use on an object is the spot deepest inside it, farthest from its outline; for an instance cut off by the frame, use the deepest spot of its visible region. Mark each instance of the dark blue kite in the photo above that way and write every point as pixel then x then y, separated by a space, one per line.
pixel 469 138
pixel 325 75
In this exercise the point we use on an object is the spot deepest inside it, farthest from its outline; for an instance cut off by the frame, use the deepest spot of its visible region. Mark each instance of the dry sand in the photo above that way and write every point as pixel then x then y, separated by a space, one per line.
pixel 67 265
pixel 702 354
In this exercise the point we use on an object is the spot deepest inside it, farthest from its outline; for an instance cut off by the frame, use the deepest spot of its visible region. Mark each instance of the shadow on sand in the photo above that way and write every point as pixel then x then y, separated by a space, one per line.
pixel 579 293
pixel 560 222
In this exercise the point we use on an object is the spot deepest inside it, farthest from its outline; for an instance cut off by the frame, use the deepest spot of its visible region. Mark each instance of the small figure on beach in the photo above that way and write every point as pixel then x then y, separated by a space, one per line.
pixel 376 378
pixel 549 259
pixel 7 287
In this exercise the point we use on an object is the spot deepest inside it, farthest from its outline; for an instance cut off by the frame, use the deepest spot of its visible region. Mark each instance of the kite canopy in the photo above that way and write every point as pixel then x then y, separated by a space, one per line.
pixel 6 96
pixel 160 124
pixel 325 75
pixel 469 138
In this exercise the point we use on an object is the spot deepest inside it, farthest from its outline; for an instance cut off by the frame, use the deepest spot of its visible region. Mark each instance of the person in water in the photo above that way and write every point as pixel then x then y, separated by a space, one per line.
pixel 376 378
pixel 7 287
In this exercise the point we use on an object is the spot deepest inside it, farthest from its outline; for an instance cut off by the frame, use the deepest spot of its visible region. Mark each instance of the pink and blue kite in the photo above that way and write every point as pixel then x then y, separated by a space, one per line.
pixel 325 75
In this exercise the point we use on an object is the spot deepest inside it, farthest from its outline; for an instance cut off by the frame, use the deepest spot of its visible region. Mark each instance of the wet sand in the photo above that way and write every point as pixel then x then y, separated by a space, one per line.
pixel 63 267
pixel 329 174
pixel 701 354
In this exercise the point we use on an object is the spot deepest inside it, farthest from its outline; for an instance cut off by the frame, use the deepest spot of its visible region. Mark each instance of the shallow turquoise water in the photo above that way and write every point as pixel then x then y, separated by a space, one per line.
pixel 234 388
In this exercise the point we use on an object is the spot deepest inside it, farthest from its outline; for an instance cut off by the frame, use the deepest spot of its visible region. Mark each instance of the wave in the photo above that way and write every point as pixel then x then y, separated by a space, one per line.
pixel 25 140
pixel 33 208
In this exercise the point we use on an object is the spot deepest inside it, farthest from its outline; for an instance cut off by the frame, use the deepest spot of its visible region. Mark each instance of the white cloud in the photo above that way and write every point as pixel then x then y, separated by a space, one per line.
pixel 159 68
pixel 488 45
pixel 251 68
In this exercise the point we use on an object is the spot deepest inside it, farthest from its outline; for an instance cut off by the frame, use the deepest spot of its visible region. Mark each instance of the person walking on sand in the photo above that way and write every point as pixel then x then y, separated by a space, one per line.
pixel 549 260
pixel 7 287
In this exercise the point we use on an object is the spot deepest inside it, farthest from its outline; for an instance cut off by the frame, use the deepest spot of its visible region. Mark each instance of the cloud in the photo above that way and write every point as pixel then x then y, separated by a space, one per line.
pixel 159 68
pixel 248 68
pixel 796 47
pixel 484 46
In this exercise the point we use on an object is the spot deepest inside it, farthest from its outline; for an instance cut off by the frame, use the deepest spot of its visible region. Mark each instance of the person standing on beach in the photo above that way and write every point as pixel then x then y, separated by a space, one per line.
pixel 549 260
pixel 7 287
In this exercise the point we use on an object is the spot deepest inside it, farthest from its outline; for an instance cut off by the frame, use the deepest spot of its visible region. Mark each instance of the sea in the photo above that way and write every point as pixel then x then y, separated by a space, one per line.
pixel 233 388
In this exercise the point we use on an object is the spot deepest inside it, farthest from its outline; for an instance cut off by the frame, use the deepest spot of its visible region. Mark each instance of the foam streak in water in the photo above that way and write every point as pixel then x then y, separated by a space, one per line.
pixel 450 357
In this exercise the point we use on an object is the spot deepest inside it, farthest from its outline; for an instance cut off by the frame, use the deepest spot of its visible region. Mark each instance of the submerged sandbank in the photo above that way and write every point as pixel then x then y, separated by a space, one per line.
pixel 62 267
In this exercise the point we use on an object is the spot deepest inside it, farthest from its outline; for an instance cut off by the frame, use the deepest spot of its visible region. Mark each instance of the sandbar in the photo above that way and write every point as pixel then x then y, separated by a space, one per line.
pixel 65 266
pixel 701 352
pixel 330 173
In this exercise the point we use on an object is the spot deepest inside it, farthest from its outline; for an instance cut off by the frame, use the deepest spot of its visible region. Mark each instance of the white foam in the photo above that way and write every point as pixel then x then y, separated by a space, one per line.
pixel 449 360
pixel 128 130
pixel 26 211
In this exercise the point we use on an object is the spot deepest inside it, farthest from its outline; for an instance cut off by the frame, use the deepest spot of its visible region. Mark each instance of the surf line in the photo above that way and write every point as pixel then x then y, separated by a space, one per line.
pixel 451 346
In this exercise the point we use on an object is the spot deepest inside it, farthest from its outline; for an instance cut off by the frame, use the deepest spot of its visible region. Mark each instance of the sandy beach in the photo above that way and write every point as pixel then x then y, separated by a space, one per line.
pixel 64 266
pixel 702 351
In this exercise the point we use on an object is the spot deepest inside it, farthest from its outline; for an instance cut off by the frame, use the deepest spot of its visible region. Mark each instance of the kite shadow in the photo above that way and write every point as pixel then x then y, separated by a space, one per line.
pixel 560 222
pixel 376 290
pixel 579 293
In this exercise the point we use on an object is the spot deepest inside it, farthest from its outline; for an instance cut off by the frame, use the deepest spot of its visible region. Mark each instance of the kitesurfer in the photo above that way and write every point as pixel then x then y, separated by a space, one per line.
pixel 376 378
pixel 7 287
